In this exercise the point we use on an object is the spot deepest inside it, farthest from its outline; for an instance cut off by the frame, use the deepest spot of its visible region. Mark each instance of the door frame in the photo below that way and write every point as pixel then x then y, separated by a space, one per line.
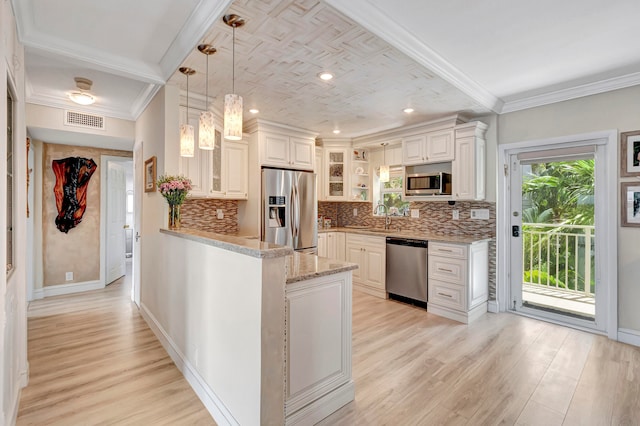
pixel 607 273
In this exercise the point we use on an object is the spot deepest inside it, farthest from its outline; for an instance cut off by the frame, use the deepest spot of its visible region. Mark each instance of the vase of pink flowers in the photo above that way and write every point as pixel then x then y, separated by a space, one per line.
pixel 175 189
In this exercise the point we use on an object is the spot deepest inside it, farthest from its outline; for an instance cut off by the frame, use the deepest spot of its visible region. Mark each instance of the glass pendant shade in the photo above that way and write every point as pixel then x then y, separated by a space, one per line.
pixel 233 117
pixel 187 142
pixel 384 173
pixel 206 131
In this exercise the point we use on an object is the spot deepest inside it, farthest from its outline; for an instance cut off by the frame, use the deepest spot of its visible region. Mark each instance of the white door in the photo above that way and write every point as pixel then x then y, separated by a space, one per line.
pixel 116 220
pixel 138 189
pixel 554 240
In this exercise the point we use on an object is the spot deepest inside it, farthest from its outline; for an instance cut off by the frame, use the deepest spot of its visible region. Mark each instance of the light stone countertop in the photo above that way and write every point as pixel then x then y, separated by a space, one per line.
pixel 302 266
pixel 455 239
pixel 250 246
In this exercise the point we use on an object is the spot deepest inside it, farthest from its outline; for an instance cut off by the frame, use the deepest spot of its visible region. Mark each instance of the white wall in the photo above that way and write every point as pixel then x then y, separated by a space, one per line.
pixel 13 318
pixel 613 110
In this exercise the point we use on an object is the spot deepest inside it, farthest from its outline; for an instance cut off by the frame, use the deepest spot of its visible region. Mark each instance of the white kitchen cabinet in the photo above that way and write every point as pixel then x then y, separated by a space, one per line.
pixel 336 167
pixel 468 168
pixel 318 348
pixel 331 245
pixel 432 147
pixel 197 167
pixel 370 254
pixel 235 170
pixel 218 173
pixel 458 283
pixel 320 173
pixel 289 152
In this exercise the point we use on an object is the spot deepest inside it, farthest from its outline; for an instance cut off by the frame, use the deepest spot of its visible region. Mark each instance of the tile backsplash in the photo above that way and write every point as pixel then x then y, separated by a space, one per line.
pixel 436 217
pixel 201 214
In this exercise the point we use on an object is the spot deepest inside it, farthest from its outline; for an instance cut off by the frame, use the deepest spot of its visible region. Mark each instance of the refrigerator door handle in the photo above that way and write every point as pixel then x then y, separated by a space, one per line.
pixel 292 214
pixel 298 212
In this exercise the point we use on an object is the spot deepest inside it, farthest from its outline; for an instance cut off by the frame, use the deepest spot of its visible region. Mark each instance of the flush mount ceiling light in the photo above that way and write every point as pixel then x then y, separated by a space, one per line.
pixel 254 111
pixel 336 131
pixel 408 110
pixel 81 97
pixel 384 168
pixel 206 125
pixel 233 102
pixel 326 76
pixel 186 130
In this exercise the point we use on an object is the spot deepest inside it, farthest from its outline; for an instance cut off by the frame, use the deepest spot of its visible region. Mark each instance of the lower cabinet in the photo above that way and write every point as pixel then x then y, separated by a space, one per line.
pixel 458 283
pixel 369 253
pixel 331 245
pixel 318 348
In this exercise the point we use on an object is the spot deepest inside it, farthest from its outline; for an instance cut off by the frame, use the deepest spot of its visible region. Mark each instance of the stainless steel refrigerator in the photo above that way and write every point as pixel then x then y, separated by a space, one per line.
pixel 290 209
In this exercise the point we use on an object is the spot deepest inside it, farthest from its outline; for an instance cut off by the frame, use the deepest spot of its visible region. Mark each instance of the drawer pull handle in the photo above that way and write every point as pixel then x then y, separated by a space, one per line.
pixel 445 270
pixel 446 251
pixel 445 295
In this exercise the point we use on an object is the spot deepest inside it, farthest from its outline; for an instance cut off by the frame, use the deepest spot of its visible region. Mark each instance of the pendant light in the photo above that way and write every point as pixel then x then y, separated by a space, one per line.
pixel 233 102
pixel 207 128
pixel 384 168
pixel 186 130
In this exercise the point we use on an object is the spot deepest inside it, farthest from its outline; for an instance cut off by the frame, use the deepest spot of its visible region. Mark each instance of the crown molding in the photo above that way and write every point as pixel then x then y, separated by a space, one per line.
pixel 580 91
pixel 379 24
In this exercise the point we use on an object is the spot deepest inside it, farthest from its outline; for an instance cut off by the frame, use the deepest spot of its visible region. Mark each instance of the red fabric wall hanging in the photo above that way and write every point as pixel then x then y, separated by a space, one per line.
pixel 72 180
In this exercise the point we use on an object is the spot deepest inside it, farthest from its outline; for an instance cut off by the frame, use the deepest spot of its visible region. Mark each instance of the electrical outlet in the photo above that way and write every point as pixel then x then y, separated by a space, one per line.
pixel 68 276
pixel 456 214
pixel 480 214
pixel 355 212
pixel 415 212
pixel 219 213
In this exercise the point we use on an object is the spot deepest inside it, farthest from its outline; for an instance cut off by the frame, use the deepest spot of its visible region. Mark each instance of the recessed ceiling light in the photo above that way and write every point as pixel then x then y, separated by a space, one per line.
pixel 254 111
pixel 336 131
pixel 326 76
pixel 408 110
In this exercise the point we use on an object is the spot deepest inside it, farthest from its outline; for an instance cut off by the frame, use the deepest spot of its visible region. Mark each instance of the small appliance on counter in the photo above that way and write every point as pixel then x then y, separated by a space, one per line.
pixel 289 209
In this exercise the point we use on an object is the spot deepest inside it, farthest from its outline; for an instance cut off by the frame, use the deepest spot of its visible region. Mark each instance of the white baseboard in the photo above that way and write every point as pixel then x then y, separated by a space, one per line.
pixel 57 290
pixel 212 403
pixel 632 337
pixel 12 416
pixel 321 408
pixel 492 306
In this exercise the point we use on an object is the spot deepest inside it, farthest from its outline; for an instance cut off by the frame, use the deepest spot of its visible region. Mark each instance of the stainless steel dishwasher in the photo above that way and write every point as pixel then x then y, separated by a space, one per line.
pixel 407 268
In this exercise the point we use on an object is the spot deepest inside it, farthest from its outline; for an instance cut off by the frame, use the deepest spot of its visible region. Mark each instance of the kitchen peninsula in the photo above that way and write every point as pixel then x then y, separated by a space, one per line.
pixel 261 333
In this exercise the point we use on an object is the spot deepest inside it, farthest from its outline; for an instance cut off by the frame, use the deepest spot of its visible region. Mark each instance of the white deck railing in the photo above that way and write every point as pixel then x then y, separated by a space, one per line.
pixel 562 255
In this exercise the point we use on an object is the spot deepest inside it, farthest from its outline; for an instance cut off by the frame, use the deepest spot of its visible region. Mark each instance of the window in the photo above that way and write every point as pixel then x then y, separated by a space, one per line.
pixel 391 194
pixel 9 191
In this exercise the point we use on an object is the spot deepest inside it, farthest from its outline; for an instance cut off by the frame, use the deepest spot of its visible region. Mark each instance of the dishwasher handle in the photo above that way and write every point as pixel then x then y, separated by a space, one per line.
pixel 406 242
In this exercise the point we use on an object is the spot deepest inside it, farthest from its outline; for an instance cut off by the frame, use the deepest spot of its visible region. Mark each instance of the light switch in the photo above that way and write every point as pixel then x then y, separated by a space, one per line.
pixel 480 214
pixel 219 214
pixel 456 214
pixel 415 212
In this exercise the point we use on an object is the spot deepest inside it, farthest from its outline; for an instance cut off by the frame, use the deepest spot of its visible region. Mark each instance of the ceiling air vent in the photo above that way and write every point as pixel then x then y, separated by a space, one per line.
pixel 80 119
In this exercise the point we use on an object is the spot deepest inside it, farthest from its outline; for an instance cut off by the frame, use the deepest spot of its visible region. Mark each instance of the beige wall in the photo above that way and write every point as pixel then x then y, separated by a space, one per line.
pixel 619 110
pixel 78 251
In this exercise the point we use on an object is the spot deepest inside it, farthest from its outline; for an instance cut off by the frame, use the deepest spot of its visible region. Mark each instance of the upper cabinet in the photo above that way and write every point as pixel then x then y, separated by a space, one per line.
pixel 320 173
pixel 432 147
pixel 279 150
pixel 336 178
pixel 468 170
pixel 218 173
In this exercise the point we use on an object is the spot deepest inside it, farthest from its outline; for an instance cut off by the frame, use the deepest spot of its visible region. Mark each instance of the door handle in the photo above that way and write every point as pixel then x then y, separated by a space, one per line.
pixel 515 231
pixel 137 236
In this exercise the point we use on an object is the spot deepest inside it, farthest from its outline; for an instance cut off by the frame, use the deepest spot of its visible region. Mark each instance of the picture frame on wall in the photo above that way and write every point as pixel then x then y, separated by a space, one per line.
pixel 630 154
pixel 150 175
pixel 630 196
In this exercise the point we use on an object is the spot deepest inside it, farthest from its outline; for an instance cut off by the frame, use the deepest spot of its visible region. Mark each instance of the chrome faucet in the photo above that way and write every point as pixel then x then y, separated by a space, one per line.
pixel 387 219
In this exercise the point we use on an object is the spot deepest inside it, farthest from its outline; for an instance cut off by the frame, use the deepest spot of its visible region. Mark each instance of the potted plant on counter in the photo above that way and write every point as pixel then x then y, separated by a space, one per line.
pixel 175 189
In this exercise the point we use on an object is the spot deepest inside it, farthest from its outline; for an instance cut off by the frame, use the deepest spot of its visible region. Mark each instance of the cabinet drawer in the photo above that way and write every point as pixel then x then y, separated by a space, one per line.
pixel 446 294
pixel 447 269
pixel 449 250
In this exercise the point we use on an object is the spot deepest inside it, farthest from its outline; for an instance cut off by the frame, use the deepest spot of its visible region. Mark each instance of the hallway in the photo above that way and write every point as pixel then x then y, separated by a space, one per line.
pixel 93 360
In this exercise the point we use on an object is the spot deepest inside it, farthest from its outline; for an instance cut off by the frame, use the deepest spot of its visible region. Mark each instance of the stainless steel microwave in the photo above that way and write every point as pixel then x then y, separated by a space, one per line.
pixel 428 184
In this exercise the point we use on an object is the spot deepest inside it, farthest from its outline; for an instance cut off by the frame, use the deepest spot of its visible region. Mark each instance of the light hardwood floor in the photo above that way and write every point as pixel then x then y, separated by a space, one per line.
pixel 94 361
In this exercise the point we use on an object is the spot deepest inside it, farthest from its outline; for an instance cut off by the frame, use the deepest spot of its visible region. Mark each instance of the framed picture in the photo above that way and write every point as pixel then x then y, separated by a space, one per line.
pixel 630 153
pixel 150 175
pixel 630 203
